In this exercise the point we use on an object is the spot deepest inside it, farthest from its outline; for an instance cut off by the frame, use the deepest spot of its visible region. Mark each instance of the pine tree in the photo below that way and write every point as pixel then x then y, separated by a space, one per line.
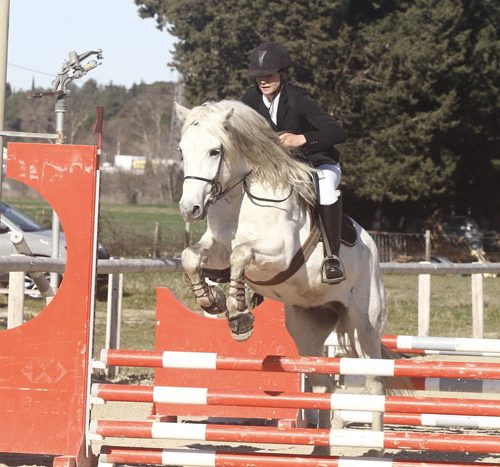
pixel 415 83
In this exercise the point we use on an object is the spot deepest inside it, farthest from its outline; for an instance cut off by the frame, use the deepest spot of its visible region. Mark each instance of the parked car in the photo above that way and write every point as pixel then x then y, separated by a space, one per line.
pixel 465 227
pixel 38 239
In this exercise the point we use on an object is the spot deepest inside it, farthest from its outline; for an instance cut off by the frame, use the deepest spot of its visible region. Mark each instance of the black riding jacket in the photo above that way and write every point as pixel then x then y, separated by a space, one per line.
pixel 299 113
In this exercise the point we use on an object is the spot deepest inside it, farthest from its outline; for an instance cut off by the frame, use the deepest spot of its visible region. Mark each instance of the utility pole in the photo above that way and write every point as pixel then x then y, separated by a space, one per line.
pixel 4 47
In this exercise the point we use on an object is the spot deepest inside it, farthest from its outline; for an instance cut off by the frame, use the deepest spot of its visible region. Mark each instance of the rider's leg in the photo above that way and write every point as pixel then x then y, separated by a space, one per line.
pixel 330 212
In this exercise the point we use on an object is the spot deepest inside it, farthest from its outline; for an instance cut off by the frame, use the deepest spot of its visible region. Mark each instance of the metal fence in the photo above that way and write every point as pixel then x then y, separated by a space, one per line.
pixel 116 268
pixel 400 246
pixel 438 247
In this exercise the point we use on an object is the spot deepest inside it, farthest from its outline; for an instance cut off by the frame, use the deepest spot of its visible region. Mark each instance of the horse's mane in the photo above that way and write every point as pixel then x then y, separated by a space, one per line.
pixel 248 135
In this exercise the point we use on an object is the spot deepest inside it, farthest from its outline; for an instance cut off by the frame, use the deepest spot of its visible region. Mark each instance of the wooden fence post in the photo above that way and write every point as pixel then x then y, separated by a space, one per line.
pixel 477 306
pixel 156 240
pixel 15 304
pixel 41 282
pixel 187 235
pixel 428 246
pixel 424 303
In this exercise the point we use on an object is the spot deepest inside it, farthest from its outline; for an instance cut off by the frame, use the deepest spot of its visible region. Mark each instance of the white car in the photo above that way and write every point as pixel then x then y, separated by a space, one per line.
pixel 38 239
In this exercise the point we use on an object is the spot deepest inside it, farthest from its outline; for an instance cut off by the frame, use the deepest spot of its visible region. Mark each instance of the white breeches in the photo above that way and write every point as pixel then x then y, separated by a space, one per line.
pixel 328 182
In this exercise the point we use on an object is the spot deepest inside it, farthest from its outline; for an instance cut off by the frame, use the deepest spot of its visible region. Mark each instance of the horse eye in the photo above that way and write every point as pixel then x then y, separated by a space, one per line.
pixel 215 152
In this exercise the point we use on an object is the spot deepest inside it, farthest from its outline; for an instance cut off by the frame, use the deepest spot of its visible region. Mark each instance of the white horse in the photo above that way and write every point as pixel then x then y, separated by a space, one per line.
pixel 258 201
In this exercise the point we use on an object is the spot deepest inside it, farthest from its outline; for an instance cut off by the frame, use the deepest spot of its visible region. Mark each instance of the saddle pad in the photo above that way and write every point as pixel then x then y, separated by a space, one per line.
pixel 348 235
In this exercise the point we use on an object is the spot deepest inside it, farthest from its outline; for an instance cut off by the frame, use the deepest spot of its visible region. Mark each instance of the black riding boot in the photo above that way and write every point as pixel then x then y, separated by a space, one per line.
pixel 332 269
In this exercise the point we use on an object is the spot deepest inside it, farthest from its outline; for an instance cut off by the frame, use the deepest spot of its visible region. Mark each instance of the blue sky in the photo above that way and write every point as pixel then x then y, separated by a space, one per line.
pixel 42 32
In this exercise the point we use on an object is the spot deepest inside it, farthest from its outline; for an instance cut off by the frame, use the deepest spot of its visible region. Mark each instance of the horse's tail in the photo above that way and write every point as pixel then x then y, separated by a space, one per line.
pixel 346 342
pixel 389 354
pixel 397 384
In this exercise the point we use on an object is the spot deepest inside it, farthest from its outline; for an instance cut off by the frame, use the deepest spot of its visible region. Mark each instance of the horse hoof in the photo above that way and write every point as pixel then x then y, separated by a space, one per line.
pixel 218 306
pixel 213 310
pixel 375 453
pixel 242 337
pixel 241 326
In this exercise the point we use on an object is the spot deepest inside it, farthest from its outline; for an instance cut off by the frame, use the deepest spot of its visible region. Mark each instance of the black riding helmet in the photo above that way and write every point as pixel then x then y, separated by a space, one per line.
pixel 268 58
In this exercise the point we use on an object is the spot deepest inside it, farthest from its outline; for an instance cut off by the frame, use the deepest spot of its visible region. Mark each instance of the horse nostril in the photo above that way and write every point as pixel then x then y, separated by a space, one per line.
pixel 197 211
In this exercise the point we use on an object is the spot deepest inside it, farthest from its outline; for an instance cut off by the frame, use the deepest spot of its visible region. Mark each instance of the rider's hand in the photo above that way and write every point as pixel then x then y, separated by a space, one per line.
pixel 292 141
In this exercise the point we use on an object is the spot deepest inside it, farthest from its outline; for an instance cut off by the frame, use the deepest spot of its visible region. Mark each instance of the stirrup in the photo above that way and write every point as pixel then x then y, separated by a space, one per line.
pixel 332 273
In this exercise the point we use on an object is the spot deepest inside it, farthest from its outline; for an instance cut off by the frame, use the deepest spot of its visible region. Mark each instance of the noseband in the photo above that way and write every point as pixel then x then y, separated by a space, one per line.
pixel 217 192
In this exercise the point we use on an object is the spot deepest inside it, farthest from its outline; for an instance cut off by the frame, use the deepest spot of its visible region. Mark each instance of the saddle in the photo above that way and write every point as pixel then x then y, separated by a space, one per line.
pixel 348 237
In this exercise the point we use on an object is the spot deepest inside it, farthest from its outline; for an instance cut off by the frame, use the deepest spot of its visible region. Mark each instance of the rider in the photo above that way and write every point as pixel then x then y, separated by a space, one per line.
pixel 309 132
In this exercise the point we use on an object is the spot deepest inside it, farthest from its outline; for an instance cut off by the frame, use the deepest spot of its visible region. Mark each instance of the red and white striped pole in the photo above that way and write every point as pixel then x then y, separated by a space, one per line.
pixel 188 457
pixel 442 345
pixel 298 400
pixel 303 436
pixel 423 419
pixel 276 363
pixel 486 386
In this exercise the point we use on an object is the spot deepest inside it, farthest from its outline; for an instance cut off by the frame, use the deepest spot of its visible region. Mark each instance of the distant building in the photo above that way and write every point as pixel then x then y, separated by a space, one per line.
pixel 127 162
pixel 138 163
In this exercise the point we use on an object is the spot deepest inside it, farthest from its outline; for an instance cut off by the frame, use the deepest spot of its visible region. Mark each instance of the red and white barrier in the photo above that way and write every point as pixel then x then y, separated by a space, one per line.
pixel 335 401
pixel 276 363
pixel 189 457
pixel 423 419
pixel 487 386
pixel 442 345
pixel 302 436
pixel 44 369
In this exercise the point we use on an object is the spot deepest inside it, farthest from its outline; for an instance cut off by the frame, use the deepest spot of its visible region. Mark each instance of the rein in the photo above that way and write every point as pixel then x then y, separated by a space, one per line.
pixel 268 200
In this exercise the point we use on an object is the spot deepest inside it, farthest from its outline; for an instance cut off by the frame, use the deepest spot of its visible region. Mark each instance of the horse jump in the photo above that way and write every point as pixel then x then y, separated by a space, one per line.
pixel 220 459
pixel 208 397
pixel 297 400
pixel 321 365
pixel 397 409
pixel 44 362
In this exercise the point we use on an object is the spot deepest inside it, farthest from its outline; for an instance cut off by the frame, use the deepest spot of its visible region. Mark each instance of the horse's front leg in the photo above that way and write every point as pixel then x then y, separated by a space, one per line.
pixel 257 252
pixel 211 298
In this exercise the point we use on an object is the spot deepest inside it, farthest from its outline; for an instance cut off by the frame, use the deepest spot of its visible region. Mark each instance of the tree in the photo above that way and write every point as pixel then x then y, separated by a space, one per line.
pixel 422 101
pixel 415 83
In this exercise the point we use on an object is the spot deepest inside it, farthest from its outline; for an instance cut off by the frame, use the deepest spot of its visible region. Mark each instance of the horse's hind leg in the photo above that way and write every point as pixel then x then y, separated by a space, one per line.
pixel 309 327
pixel 370 346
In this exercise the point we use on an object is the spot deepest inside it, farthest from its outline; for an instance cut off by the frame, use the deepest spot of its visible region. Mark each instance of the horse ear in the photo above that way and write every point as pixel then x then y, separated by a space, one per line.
pixel 227 118
pixel 181 112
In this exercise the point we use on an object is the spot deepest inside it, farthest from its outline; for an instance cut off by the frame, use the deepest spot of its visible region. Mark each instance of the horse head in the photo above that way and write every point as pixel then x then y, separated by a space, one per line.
pixel 208 175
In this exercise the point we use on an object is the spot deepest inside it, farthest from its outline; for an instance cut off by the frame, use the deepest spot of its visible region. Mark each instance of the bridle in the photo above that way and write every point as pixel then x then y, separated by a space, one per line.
pixel 217 191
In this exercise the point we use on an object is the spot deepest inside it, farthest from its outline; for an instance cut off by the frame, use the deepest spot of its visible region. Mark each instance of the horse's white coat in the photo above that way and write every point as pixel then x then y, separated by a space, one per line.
pixel 258 239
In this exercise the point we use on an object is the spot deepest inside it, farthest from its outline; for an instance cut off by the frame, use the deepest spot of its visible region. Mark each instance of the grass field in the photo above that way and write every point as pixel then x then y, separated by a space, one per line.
pixel 128 232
